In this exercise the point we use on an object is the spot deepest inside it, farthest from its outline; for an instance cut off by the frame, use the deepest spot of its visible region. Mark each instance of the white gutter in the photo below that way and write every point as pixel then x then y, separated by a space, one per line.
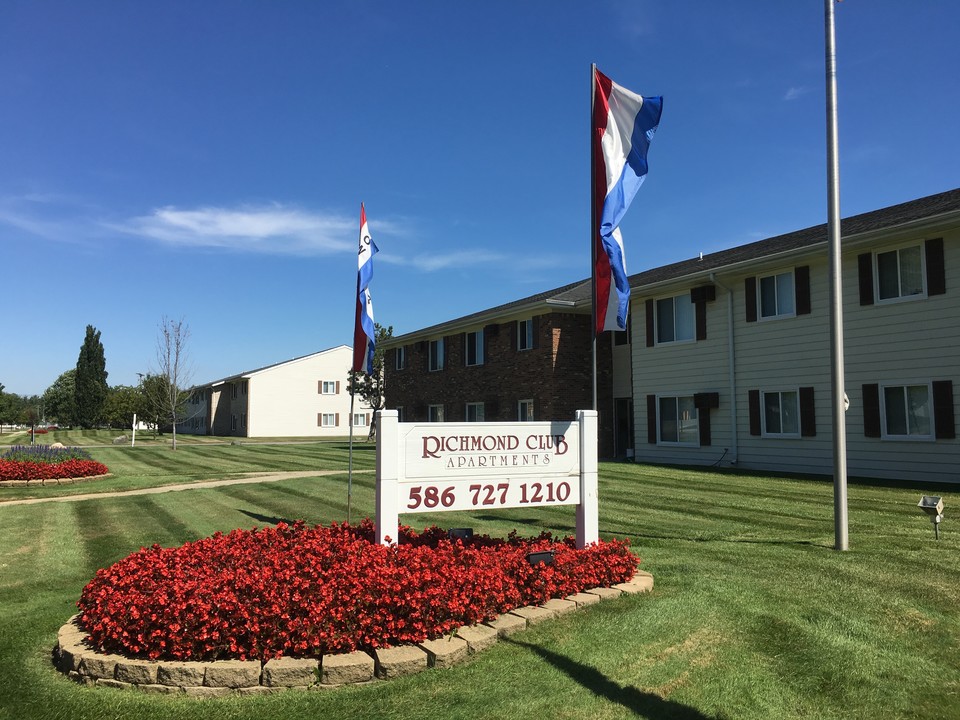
pixel 732 364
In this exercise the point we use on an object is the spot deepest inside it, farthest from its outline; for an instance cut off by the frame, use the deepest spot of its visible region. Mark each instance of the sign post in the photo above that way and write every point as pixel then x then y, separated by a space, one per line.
pixel 436 467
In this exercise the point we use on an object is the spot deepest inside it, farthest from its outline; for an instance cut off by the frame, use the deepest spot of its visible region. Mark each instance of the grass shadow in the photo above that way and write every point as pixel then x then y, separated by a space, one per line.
pixel 643 704
pixel 710 538
pixel 272 520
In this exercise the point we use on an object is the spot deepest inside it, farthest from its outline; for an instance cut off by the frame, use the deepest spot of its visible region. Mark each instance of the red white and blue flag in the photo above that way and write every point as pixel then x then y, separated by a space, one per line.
pixel 364 332
pixel 623 126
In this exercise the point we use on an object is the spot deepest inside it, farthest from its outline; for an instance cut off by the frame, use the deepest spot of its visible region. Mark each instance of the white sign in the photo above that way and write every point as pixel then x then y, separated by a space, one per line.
pixel 467 466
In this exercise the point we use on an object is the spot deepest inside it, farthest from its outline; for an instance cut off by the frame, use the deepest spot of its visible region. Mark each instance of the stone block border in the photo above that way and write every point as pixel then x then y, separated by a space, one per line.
pixel 51 481
pixel 75 658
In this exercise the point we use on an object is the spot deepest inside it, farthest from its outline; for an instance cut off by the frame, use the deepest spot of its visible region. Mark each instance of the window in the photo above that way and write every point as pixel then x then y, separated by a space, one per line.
pixel 525 334
pixel 329 387
pixel 906 411
pixel 525 411
pixel 675 319
pixel 328 420
pixel 475 348
pixel 900 273
pixel 475 412
pixel 233 392
pixel 677 420
pixel 436 355
pixel 400 358
pixel 243 388
pixel 435 413
pixel 623 337
pixel 777 296
pixel 233 420
pixel 359 419
pixel 781 414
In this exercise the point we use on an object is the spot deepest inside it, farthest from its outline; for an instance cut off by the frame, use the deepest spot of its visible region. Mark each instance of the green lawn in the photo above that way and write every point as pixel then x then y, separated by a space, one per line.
pixel 754 615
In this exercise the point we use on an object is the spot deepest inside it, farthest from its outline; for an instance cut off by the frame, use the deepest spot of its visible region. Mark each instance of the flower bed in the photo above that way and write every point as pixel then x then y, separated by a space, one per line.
pixel 44 462
pixel 296 591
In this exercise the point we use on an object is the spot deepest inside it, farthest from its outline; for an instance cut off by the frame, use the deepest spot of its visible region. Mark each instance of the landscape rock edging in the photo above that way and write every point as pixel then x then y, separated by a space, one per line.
pixel 74 657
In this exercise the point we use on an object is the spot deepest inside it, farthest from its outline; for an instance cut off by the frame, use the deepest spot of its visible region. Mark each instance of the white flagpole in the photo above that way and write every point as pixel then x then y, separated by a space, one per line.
pixel 836 294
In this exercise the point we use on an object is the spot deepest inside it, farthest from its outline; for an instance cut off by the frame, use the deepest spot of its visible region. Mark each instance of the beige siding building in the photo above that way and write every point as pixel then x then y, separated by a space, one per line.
pixel 733 365
pixel 303 397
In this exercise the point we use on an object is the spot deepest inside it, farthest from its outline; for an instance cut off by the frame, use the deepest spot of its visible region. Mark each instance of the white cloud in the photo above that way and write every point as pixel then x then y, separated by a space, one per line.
pixel 462 259
pixel 795 93
pixel 273 229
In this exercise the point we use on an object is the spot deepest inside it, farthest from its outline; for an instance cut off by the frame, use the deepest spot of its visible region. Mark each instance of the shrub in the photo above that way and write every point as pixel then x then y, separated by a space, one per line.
pixel 303 592
pixel 45 454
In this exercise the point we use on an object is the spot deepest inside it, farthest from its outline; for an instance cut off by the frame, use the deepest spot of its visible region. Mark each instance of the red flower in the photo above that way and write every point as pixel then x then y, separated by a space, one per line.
pixel 298 591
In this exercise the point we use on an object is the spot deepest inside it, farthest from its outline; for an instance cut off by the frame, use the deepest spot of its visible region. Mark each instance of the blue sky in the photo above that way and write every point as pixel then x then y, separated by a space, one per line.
pixel 207 160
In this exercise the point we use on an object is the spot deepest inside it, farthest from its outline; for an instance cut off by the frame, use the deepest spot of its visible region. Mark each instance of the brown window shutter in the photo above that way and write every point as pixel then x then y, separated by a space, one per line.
pixel 703 423
pixel 336 420
pixel 512 326
pixel 336 388
pixel 536 335
pixel 319 419
pixel 871 410
pixel 652 419
pixel 754 403
pixel 649 312
pixel 865 273
pixel 943 419
pixel 936 270
pixel 808 413
pixel 463 347
pixel 491 409
pixel 390 359
pixel 366 418
pixel 750 298
pixel 801 287
pixel 700 315
pixel 319 387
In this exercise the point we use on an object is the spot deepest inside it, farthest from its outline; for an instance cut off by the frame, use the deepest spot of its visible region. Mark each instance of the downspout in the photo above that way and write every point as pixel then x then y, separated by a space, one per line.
pixel 732 365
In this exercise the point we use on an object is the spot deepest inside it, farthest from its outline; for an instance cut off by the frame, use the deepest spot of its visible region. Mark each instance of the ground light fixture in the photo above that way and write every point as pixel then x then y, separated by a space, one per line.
pixel 932 505
pixel 462 534
pixel 544 557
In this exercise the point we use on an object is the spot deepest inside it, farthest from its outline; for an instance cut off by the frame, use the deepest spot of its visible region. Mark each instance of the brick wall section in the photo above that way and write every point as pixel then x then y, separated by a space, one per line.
pixel 555 374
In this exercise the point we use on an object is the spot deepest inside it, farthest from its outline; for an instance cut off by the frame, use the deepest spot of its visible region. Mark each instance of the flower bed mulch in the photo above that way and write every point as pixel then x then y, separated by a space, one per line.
pixel 298 591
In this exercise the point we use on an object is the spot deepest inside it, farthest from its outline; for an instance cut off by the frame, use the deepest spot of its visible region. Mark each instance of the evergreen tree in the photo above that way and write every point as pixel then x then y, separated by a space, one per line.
pixel 91 380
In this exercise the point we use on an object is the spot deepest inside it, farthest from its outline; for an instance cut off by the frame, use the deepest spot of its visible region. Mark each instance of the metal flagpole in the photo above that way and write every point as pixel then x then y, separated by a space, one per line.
pixel 836 295
pixel 593 232
pixel 353 381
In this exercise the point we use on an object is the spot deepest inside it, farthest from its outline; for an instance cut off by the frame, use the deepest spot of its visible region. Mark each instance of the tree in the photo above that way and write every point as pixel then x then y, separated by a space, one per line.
pixel 367 387
pixel 9 407
pixel 173 369
pixel 90 390
pixel 153 394
pixel 59 400
pixel 123 402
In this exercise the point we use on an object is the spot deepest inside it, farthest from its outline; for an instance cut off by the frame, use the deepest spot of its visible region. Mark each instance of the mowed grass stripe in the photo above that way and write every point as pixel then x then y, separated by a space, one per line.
pixel 165 526
pixel 41 551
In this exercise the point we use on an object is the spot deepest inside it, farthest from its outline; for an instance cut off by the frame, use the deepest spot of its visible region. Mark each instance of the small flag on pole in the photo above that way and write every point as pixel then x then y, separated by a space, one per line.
pixel 623 126
pixel 364 334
